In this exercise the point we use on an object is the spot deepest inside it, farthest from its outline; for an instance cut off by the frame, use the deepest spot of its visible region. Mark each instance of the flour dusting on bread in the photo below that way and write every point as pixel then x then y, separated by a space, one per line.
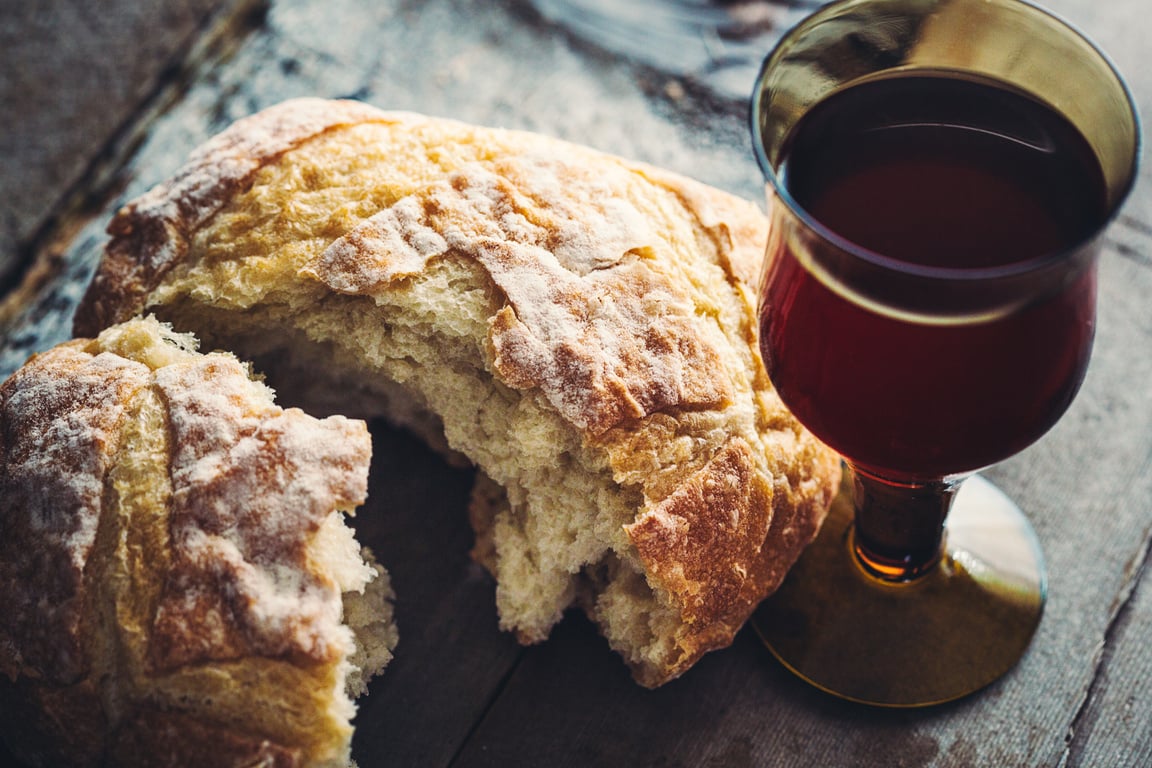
pixel 577 326
pixel 176 546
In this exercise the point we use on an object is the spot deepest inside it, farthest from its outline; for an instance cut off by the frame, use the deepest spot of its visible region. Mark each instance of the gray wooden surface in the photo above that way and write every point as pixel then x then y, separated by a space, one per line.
pixel 98 107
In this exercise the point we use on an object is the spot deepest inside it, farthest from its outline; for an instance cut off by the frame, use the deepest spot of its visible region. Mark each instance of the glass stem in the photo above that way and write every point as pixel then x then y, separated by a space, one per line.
pixel 898 531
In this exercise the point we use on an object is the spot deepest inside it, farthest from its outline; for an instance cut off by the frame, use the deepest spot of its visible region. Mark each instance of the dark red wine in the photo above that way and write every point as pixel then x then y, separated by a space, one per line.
pixel 934 171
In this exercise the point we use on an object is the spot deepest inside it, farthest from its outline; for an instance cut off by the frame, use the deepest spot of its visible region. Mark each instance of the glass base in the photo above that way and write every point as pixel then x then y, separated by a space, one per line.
pixel 926 641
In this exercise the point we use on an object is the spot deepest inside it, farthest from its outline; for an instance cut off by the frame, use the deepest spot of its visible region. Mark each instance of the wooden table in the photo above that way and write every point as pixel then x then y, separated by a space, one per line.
pixel 101 105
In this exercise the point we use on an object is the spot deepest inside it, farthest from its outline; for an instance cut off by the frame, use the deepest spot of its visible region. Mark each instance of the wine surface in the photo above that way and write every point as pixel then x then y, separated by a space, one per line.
pixel 946 172
pixel 934 171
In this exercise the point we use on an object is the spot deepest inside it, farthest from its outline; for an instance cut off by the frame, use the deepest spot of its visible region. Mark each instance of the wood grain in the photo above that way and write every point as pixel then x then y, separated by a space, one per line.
pixel 460 692
pixel 74 76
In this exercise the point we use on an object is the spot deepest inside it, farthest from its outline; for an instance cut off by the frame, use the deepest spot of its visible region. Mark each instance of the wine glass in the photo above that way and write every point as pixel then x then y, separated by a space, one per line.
pixel 938 174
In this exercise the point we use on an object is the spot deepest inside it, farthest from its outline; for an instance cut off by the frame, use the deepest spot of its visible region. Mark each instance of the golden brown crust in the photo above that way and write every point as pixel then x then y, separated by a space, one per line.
pixel 158 510
pixel 703 543
pixel 590 321
pixel 60 418
pixel 605 277
pixel 251 485
pixel 150 234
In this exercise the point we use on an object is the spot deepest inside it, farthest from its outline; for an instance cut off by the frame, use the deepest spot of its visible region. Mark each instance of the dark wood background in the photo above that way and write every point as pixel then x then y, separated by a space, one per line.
pixel 102 100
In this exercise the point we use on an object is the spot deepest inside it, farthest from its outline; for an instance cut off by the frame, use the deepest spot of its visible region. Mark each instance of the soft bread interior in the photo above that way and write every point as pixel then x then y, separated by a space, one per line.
pixel 576 326
pixel 560 516
pixel 415 353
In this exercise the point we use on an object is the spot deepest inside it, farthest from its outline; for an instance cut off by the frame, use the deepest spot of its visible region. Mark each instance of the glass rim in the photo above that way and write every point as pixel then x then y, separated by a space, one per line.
pixel 952 274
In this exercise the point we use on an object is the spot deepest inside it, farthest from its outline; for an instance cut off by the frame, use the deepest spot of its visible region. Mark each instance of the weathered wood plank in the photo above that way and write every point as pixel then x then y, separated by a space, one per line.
pixel 459 692
pixel 1121 28
pixel 716 47
pixel 453 659
pixel 566 705
pixel 72 75
pixel 1114 725
pixel 467 59
pixel 1114 728
pixel 1085 486
pixel 423 708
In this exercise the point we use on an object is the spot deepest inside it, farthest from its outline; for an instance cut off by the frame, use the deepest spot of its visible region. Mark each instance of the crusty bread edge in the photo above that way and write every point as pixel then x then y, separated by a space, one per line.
pixel 151 235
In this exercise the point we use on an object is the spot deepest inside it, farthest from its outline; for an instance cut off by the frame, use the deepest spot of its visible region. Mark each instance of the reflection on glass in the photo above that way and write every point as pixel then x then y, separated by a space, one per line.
pixel 928 309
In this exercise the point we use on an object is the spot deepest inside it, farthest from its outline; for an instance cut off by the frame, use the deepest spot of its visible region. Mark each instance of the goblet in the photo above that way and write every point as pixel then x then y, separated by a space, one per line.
pixel 939 173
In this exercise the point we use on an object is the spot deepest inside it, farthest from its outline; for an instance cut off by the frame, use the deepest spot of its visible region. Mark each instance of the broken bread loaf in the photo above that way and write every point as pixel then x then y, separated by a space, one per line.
pixel 177 584
pixel 577 326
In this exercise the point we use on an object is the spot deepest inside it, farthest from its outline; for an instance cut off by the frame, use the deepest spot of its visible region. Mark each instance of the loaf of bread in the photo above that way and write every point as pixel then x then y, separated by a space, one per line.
pixel 578 327
pixel 177 583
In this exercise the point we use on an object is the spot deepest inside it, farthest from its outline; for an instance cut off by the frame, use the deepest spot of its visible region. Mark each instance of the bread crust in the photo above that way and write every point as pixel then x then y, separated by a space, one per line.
pixel 150 234
pixel 597 311
pixel 60 427
pixel 158 512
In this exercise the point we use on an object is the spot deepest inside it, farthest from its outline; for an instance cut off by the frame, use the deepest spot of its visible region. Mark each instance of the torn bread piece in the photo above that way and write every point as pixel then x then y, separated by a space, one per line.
pixel 578 326
pixel 177 582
